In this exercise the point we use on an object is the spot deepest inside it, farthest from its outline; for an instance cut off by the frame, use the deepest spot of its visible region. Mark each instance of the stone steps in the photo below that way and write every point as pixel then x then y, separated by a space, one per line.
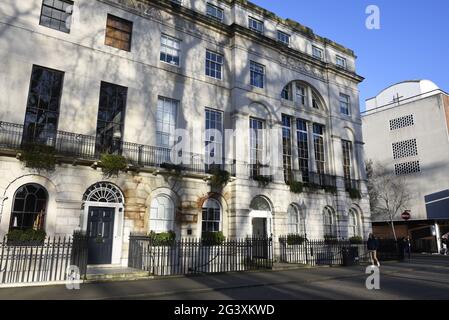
pixel 288 266
pixel 104 274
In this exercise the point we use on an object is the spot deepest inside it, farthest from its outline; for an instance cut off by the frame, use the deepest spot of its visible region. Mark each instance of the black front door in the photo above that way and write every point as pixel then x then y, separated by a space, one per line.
pixel 100 230
pixel 260 238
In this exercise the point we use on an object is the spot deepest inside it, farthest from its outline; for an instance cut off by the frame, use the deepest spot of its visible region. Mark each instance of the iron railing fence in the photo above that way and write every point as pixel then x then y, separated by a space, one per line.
pixel 196 256
pixel 299 250
pixel 87 147
pixel 390 249
pixel 49 260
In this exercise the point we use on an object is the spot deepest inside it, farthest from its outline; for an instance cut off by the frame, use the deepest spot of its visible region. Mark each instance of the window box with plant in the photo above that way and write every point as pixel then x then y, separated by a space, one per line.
pixel 312 187
pixel 162 239
pixel 330 189
pixel 296 187
pixel 212 238
pixel 112 164
pixel 354 193
pixel 38 156
pixel 220 178
pixel 173 169
pixel 263 181
pixel 330 239
pixel 29 237
pixel 356 240
pixel 295 239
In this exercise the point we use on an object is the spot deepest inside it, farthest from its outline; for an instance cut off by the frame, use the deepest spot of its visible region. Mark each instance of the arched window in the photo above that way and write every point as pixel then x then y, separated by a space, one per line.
pixel 162 214
pixel 260 204
pixel 295 221
pixel 211 221
pixel 353 223
pixel 330 222
pixel 103 192
pixel 316 104
pixel 29 208
pixel 302 94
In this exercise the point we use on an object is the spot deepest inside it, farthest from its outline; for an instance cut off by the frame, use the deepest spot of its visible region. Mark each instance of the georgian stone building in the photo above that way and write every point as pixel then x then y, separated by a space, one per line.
pixel 93 77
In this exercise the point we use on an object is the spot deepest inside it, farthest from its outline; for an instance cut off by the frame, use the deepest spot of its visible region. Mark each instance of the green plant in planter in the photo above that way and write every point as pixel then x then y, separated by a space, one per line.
pixel 263 181
pixel 329 239
pixel 213 238
pixel 296 187
pixel 173 169
pixel 163 238
pixel 220 178
pixel 40 157
pixel 330 189
pixel 356 240
pixel 295 239
pixel 354 193
pixel 112 164
pixel 14 235
pixel 312 186
pixel 26 236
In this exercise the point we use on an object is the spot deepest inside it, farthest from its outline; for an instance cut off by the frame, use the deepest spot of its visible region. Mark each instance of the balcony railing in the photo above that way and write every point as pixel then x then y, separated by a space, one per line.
pixel 351 184
pixel 323 180
pixel 257 171
pixel 88 148
pixel 313 179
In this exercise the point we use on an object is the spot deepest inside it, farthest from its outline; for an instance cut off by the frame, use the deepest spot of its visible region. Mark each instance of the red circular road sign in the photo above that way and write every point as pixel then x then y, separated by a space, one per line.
pixel 406 215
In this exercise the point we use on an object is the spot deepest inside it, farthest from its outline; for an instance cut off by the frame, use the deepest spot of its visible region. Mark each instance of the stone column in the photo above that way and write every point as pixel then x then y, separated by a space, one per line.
pixel 360 169
pixel 275 151
pixel 240 223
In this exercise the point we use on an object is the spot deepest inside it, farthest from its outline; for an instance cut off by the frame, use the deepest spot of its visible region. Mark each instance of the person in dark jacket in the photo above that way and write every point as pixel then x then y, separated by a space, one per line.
pixel 373 245
pixel 407 247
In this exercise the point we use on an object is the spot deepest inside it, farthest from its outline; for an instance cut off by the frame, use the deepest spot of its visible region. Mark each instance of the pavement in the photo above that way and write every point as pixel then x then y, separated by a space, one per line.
pixel 424 277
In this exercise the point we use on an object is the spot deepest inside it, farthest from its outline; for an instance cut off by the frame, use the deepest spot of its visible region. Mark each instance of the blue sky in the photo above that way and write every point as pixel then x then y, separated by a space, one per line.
pixel 412 43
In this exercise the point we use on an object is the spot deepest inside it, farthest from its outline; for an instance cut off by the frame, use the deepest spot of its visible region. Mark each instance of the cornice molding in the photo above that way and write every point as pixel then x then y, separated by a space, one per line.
pixel 298 60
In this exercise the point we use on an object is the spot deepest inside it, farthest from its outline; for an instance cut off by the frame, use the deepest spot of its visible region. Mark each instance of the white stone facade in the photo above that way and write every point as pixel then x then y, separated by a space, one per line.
pixel 86 61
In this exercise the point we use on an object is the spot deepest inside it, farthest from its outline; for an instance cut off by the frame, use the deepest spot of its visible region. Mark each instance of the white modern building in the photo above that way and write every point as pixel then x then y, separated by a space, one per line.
pixel 405 128
pixel 93 77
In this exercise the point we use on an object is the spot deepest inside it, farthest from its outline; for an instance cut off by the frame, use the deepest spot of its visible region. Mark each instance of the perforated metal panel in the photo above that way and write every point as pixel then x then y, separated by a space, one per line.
pixel 407 168
pixel 402 122
pixel 404 149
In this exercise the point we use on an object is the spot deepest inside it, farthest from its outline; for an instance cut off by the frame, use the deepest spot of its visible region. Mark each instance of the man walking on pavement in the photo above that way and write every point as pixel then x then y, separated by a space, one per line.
pixel 407 247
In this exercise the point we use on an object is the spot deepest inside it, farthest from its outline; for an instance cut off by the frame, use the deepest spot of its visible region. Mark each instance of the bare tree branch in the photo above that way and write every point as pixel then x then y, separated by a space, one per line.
pixel 389 194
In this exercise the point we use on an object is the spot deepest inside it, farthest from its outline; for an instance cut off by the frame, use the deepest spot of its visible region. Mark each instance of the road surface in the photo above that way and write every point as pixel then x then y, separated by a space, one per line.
pixel 424 277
